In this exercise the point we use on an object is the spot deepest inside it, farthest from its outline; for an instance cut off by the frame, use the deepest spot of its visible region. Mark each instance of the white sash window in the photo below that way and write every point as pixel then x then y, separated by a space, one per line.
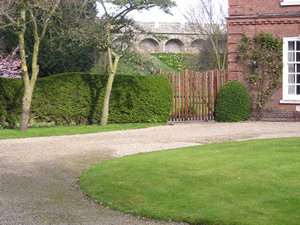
pixel 291 70
pixel 290 2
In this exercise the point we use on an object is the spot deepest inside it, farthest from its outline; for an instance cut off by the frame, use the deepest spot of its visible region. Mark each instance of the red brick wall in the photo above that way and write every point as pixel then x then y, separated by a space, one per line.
pixel 252 17
pixel 253 7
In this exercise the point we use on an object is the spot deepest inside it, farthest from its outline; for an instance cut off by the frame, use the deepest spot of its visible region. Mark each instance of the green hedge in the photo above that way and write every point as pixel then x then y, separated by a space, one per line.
pixel 77 98
pixel 233 103
pixel 11 92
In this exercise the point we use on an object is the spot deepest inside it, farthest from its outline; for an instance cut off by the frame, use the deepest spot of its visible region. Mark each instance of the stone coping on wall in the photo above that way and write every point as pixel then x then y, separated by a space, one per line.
pixel 167 27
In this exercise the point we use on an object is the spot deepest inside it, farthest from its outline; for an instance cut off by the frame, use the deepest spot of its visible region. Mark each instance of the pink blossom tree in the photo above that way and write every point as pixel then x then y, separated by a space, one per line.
pixel 10 66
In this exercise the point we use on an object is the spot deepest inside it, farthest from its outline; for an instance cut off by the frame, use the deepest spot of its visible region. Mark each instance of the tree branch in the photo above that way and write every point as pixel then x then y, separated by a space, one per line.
pixel 47 20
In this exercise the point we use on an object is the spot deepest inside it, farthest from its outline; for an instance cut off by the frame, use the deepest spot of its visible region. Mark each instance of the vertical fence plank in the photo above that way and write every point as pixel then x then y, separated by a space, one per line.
pixel 177 88
pixel 171 78
pixel 181 96
pixel 186 93
pixel 219 81
pixel 191 114
pixel 200 96
pixel 209 95
pixel 191 104
pixel 189 95
pixel 212 99
pixel 204 96
pixel 194 110
pixel 215 89
pixel 196 96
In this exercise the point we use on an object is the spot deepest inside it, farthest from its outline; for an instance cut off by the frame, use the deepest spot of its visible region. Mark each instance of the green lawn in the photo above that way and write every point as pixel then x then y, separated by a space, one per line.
pixel 58 131
pixel 251 182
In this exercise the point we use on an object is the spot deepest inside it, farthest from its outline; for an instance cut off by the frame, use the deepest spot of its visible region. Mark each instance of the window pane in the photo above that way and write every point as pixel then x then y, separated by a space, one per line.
pixel 292 68
pixel 291 78
pixel 298 45
pixel 298 68
pixel 291 57
pixel 298 78
pixel 291 90
pixel 298 90
pixel 291 45
pixel 298 56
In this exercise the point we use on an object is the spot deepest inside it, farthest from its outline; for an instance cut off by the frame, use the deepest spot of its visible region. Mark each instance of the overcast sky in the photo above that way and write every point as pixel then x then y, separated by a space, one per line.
pixel 156 15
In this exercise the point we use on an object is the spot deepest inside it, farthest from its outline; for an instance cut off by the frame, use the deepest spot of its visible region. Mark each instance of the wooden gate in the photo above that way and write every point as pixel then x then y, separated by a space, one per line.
pixel 195 94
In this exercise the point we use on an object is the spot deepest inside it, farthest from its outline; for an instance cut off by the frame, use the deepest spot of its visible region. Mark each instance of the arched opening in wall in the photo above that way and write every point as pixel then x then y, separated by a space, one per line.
pixel 196 45
pixel 148 45
pixel 120 44
pixel 174 46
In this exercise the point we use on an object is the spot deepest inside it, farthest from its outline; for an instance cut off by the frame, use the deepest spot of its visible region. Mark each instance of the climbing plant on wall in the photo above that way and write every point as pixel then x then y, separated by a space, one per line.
pixel 262 60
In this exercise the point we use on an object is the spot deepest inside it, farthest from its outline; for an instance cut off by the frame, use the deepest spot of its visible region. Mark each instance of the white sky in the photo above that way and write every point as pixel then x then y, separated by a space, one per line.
pixel 156 15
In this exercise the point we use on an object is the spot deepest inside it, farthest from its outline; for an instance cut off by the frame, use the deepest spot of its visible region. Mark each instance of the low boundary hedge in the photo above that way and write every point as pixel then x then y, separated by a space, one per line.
pixel 77 98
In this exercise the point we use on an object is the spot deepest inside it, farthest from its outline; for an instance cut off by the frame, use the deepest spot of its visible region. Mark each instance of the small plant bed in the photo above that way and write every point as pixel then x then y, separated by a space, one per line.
pixel 71 130
pixel 251 182
pixel 178 61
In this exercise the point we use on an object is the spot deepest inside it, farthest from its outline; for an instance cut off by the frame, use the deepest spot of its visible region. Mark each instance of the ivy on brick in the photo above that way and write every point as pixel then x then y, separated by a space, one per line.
pixel 262 61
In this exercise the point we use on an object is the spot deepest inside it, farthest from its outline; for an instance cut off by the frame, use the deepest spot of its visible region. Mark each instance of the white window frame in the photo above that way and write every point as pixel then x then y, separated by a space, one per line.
pixel 290 2
pixel 286 97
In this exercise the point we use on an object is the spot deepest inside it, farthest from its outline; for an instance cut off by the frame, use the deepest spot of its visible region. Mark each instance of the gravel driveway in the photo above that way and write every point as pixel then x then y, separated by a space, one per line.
pixel 38 176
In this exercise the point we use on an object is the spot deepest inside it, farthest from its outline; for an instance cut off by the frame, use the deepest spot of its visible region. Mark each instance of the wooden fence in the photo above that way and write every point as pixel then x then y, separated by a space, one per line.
pixel 195 94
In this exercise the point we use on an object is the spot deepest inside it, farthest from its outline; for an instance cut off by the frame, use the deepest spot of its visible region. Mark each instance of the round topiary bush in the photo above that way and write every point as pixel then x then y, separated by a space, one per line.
pixel 233 103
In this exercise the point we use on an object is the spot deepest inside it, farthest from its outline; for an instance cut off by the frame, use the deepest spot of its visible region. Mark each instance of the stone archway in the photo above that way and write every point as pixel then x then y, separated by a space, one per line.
pixel 174 46
pixel 149 45
pixel 196 45
pixel 120 44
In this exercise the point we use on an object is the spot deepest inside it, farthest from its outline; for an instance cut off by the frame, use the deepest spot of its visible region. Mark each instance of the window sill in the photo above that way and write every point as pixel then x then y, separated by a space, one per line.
pixel 289 3
pixel 296 102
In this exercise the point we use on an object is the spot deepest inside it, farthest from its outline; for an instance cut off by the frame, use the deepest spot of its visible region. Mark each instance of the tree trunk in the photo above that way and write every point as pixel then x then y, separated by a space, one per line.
pixel 112 71
pixel 29 81
pixel 26 105
pixel 28 84
pixel 105 110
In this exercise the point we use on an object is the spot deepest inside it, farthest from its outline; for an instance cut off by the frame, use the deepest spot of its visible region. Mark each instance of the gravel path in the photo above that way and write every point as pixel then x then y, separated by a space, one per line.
pixel 38 176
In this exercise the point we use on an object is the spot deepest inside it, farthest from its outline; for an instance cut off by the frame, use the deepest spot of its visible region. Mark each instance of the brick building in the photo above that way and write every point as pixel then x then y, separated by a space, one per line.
pixel 280 18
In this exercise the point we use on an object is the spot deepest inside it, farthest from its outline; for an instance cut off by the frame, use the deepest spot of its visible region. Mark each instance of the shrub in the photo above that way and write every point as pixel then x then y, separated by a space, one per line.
pixel 138 63
pixel 233 103
pixel 77 98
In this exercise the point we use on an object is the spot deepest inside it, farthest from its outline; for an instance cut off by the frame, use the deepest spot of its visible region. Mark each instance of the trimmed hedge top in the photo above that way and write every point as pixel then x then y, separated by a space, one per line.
pixel 233 103
pixel 77 98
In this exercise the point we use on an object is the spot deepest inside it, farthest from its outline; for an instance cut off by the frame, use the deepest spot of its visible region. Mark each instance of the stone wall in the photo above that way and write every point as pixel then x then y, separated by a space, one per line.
pixel 177 38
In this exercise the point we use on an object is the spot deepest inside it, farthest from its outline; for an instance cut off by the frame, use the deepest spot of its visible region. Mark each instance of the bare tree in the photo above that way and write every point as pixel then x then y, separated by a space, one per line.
pixel 19 14
pixel 116 21
pixel 208 20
